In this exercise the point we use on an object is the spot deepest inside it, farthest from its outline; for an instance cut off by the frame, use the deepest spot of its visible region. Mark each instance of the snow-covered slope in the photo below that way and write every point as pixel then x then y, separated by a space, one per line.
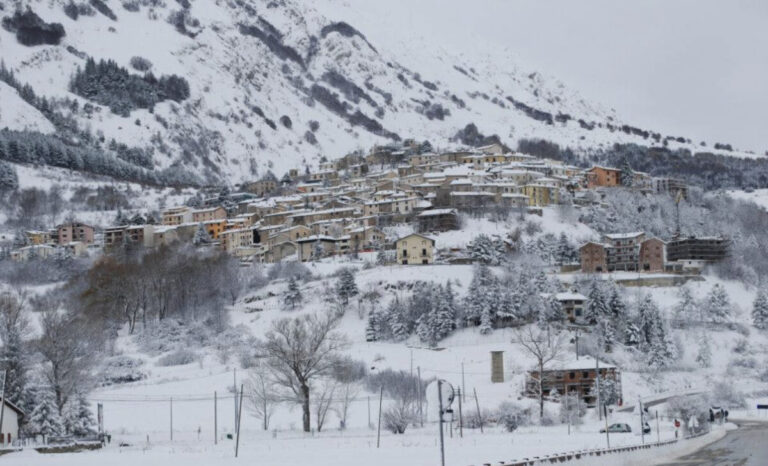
pixel 17 115
pixel 280 83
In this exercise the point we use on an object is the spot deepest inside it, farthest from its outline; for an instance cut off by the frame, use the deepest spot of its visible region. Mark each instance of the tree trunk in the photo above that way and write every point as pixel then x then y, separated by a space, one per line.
pixel 305 406
pixel 541 391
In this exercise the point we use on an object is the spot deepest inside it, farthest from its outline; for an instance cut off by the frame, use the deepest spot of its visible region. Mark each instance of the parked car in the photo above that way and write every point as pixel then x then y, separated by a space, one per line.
pixel 617 428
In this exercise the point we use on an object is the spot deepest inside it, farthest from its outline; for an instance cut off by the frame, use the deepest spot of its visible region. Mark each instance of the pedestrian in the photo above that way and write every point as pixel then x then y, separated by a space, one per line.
pixel 726 415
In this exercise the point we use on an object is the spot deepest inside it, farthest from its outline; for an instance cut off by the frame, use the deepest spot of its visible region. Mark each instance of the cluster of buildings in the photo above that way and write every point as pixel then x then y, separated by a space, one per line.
pixel 635 252
pixel 70 238
pixel 342 207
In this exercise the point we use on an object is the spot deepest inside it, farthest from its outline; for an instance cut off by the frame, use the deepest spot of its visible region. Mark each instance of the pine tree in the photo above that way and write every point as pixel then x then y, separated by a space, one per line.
pixel 381 257
pixel 704 355
pixel 483 298
pixel 632 335
pixel 396 320
pixel 293 296
pixel 201 236
pixel 346 287
pixel 78 418
pixel 760 311
pixel 45 418
pixel 718 304
pixel 373 327
pixel 685 309
pixel 597 307
pixel 565 252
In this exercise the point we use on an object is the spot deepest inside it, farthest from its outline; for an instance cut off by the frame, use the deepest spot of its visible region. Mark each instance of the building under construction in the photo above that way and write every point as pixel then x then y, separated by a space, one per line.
pixel 692 248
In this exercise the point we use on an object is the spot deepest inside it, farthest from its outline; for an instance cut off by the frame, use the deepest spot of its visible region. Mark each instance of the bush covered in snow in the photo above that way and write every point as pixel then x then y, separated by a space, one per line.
pixel 179 357
pixel 512 416
pixel 726 396
pixel 122 369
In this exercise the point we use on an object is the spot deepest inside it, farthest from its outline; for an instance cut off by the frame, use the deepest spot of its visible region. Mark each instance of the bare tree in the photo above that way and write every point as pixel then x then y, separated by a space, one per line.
pixel 262 398
pixel 323 400
pixel 300 350
pixel 65 348
pixel 545 350
pixel 348 373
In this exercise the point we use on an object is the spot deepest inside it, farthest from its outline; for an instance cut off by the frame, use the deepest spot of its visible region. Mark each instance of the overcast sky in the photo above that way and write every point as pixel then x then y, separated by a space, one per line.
pixel 694 68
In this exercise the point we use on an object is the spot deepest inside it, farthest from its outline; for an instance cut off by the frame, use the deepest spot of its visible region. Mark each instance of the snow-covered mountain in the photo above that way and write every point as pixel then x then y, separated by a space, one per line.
pixel 279 83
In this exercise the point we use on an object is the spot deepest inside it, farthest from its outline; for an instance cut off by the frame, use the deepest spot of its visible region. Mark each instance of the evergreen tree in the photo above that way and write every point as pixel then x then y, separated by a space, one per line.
pixel 718 304
pixel 78 418
pixel 373 327
pixel 45 418
pixel 704 355
pixel 483 298
pixel 627 175
pixel 346 287
pixel 685 309
pixel 381 257
pixel 565 252
pixel 396 320
pixel 632 335
pixel 760 311
pixel 597 307
pixel 486 250
pixel 9 181
pixel 201 236
pixel 293 296
pixel 648 319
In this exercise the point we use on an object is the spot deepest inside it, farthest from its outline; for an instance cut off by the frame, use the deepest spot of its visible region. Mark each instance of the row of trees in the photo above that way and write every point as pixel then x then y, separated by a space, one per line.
pixel 150 286
pixel 46 375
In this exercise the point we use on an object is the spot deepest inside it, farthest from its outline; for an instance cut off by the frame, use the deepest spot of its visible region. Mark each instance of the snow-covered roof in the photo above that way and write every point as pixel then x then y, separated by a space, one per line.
pixel 570 296
pixel 633 234
pixel 583 363
pixel 433 212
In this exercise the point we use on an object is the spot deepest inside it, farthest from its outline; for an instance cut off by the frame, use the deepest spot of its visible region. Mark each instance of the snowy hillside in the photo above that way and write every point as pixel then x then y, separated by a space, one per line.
pixel 279 84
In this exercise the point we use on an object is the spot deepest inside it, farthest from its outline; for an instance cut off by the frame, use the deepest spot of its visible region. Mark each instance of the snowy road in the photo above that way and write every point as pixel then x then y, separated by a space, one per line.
pixel 745 446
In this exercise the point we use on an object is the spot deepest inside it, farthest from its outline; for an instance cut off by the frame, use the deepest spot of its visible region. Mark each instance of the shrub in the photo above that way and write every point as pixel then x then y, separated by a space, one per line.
pixel 397 418
pixel 141 64
pixel 122 369
pixel 511 416
pixel 724 395
pixel 179 357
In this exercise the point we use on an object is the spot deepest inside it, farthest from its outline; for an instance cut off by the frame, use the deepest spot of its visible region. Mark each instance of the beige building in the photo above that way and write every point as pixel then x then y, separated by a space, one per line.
pixel 38 251
pixel 205 215
pixel 177 215
pixel 12 415
pixel 415 249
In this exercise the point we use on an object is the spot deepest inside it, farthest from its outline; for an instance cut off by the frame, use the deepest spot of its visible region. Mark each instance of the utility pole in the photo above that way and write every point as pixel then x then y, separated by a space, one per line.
pixel 421 398
pixel 369 412
pixel 215 419
pixel 440 422
pixel 642 420
pixel 477 404
pixel 461 417
pixel 658 435
pixel 234 386
pixel 378 431
pixel 239 413
pixel 607 437
pixel 463 387
pixel 171 419
pixel 597 387
pixel 2 406
pixel 567 410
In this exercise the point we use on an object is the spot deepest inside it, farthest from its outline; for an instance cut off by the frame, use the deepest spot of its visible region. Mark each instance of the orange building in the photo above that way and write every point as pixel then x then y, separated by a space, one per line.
pixel 603 177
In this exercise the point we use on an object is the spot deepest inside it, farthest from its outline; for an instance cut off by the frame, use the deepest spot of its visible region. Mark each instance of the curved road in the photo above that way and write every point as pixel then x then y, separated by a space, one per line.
pixel 746 446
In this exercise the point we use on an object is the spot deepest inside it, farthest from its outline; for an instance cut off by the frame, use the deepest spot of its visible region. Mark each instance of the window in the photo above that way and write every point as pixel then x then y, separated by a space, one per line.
pixel 572 375
pixel 585 374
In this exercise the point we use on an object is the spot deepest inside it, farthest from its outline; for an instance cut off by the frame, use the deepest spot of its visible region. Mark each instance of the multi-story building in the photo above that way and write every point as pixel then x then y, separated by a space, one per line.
pixel 671 186
pixel 415 249
pixel 177 215
pixel 575 377
pixel 603 177
pixel 622 251
pixel 205 215
pixel 692 248
pixel 74 231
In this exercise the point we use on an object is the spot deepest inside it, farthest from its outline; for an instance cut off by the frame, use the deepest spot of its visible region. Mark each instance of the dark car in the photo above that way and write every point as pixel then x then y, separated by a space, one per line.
pixel 617 428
